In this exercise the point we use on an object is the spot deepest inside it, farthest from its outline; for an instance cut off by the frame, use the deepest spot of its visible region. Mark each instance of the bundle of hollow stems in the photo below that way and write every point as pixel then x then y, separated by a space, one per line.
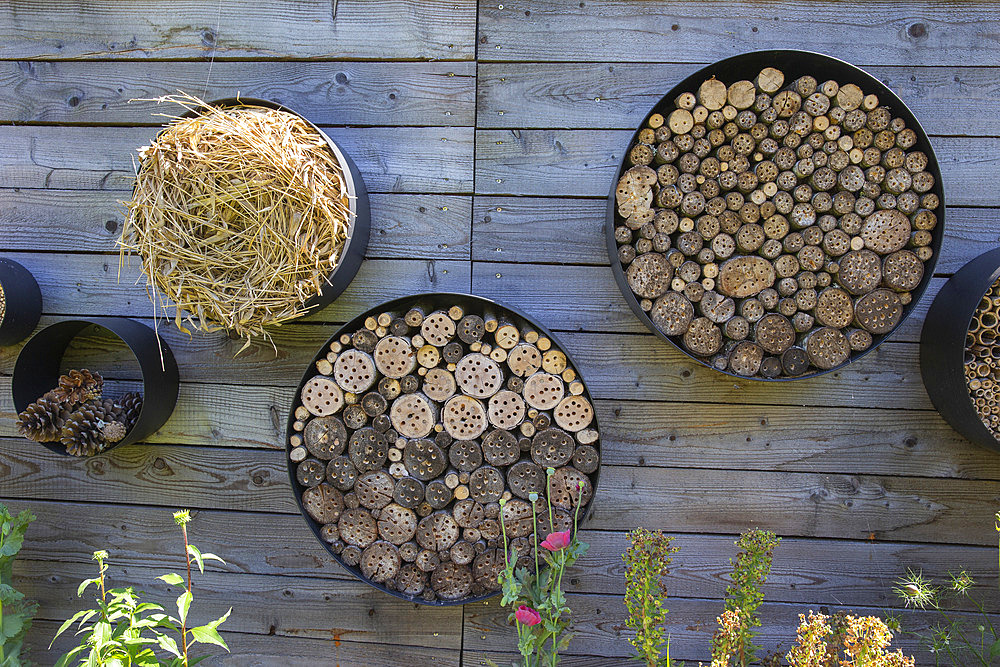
pixel 238 214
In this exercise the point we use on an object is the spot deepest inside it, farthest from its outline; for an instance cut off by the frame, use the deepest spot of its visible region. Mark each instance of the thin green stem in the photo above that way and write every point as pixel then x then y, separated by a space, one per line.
pixel 534 530
pixel 187 557
pixel 965 640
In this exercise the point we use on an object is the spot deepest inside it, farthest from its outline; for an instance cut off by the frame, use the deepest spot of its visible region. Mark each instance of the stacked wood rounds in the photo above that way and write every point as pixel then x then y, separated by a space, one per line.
pixel 776 216
pixel 410 435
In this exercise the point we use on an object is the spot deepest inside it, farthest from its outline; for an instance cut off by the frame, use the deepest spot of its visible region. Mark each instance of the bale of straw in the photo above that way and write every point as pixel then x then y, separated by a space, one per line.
pixel 238 215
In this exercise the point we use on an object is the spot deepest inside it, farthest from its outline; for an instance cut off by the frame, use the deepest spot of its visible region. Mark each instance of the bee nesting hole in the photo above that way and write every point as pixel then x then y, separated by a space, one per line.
pixel 321 396
pixel 464 417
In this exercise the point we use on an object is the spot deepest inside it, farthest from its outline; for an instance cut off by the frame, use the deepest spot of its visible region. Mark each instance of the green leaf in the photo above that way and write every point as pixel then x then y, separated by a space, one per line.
pixel 193 550
pixel 68 657
pixel 212 557
pixel 207 634
pixel 183 604
pixel 70 621
pixel 172 578
pixel 168 644
pixel 85 584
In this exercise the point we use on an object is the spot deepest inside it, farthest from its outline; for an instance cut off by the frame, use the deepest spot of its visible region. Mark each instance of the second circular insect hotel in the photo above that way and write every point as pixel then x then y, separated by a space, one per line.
pixel 416 420
pixel 777 215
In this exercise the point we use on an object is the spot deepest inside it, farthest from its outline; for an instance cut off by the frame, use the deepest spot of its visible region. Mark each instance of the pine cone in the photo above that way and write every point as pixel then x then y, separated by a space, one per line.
pixel 43 420
pixel 78 387
pixel 97 424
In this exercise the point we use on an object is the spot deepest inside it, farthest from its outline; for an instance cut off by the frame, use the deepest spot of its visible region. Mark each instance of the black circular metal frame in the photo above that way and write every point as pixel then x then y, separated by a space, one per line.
pixel 471 304
pixel 794 64
pixel 37 368
pixel 23 302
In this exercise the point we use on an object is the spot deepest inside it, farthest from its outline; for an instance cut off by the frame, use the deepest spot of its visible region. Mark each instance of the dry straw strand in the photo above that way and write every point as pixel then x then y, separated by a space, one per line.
pixel 238 215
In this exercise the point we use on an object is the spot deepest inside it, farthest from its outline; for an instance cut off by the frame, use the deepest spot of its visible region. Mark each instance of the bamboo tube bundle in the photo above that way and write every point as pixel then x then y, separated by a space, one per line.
pixel 410 442
pixel 803 199
pixel 982 360
pixel 238 215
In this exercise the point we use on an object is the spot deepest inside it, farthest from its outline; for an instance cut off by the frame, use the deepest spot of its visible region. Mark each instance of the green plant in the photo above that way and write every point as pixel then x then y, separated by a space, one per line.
pixel 15 611
pixel 541 614
pixel 734 639
pixel 123 631
pixel 646 564
pixel 844 640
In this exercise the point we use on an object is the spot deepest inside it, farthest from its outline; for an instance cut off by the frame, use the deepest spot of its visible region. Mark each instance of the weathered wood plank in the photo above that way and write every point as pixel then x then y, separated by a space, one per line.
pixel 615 366
pixel 403 226
pixel 619 95
pixel 85 283
pixel 571 231
pixel 582 163
pixel 599 624
pixel 413 159
pixel 883 32
pixel 251 650
pixel 345 93
pixel 812 571
pixel 401 29
pixel 288 606
pixel 586 298
pixel 688 500
pixel 648 433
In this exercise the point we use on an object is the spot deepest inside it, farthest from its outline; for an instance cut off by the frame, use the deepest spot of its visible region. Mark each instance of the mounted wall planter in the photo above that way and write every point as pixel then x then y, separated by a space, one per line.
pixel 20 302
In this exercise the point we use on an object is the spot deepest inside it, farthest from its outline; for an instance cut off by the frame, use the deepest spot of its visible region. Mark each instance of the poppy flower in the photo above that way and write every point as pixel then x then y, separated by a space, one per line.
pixel 527 615
pixel 557 541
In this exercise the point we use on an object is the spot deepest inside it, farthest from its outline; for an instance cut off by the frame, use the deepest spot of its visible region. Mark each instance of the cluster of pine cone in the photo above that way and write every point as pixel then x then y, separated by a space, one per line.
pixel 76 415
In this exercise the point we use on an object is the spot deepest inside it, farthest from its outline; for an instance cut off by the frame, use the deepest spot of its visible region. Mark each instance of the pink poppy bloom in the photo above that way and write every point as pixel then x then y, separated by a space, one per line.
pixel 527 615
pixel 557 541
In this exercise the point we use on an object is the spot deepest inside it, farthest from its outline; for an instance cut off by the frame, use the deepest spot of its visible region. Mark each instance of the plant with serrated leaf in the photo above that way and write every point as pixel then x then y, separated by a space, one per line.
pixel 123 631
pixel 15 610
pixel 540 612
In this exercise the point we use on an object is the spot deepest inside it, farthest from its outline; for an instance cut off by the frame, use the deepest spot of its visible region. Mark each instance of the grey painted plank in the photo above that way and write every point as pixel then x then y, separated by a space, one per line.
pixel 403 226
pixel 846 506
pixel 344 93
pixel 804 571
pixel 946 100
pixel 584 163
pixel 571 231
pixel 881 32
pixel 399 29
pixel 420 160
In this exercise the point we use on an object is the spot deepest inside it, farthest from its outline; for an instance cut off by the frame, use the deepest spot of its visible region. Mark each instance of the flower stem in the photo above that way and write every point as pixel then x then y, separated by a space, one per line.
pixel 187 557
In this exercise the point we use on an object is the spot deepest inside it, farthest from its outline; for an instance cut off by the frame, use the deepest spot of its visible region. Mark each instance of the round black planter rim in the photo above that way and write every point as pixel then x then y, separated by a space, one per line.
pixel 36 371
pixel 22 302
pixel 359 227
pixel 794 64
pixel 943 342
pixel 437 298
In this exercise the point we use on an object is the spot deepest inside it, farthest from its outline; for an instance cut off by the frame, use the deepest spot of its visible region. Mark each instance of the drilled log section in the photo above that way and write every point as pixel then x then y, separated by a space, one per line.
pixel 413 415
pixel 525 359
pixel 464 417
pixel 478 375
pixel 506 410
pixel 543 391
pixel 321 396
pixel 394 357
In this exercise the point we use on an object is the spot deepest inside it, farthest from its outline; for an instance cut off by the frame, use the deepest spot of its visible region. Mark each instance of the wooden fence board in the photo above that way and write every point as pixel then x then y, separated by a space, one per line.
pixel 583 163
pixel 344 93
pixel 882 32
pixel 571 231
pixel 407 159
pixel 690 500
pixel 403 226
pixel 399 29
pixel 946 100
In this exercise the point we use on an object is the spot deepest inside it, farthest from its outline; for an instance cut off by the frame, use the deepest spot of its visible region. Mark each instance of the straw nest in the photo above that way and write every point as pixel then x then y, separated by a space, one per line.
pixel 239 215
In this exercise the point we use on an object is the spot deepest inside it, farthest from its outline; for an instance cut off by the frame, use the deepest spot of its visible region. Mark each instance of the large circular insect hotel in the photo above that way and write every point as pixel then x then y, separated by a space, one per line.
pixel 416 420
pixel 960 351
pixel 776 216
pixel 245 215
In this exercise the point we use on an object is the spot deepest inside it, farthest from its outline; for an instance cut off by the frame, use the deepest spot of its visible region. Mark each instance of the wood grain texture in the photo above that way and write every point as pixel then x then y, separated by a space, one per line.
pixel 252 650
pixel 536 229
pixel 403 226
pixel 309 608
pixel 582 163
pixel 345 93
pixel 399 29
pixel 415 159
pixel 882 32
pixel 90 284
pixel 689 500
pixel 841 572
pixel 619 95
